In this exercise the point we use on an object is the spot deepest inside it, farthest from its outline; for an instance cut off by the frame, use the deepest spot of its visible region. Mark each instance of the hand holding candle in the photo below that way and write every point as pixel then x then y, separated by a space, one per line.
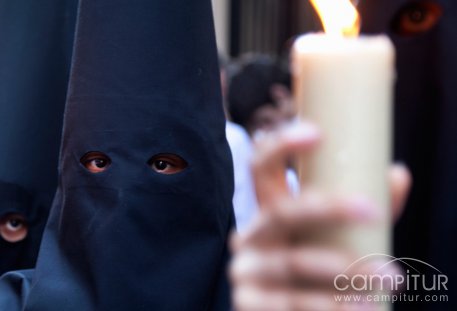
pixel 289 259
pixel 278 263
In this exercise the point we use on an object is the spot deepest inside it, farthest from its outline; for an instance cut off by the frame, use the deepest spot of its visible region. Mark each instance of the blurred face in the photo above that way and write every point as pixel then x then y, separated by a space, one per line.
pixel 266 118
pixel 271 116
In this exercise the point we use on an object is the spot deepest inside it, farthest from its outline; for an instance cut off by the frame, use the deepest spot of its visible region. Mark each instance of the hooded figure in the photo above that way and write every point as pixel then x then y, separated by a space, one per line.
pixel 143 210
pixel 425 34
pixel 35 52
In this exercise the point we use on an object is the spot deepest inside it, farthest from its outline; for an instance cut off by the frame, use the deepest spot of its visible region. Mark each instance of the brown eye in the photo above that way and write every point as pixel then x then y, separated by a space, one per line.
pixel 95 162
pixel 167 163
pixel 417 18
pixel 13 228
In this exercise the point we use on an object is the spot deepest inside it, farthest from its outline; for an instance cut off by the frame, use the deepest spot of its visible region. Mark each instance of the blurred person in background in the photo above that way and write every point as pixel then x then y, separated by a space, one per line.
pixel 244 197
pixel 259 97
pixel 35 53
pixel 425 36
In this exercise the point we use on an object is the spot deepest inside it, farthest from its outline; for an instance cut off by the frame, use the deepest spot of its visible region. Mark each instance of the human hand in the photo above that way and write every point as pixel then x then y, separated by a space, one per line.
pixel 279 264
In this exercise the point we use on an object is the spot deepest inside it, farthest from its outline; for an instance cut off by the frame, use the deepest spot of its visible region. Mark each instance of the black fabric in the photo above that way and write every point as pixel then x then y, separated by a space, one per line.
pixel 144 81
pixel 36 40
pixel 425 136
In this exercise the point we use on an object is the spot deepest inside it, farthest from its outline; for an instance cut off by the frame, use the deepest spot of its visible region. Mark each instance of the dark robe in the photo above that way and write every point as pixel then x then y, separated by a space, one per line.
pixel 144 82
pixel 36 42
pixel 425 136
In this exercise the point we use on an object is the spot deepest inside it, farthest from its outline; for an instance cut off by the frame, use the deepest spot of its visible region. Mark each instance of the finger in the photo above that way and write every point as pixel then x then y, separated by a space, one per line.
pixel 307 267
pixel 270 159
pixel 310 215
pixel 314 210
pixel 323 268
pixel 400 184
pixel 250 292
pixel 251 298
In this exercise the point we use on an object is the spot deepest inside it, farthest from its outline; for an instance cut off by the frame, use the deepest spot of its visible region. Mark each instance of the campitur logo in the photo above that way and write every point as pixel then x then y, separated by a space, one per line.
pixel 380 285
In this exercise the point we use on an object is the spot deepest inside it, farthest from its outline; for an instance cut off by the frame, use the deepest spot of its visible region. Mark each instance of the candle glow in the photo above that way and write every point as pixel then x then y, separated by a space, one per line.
pixel 339 17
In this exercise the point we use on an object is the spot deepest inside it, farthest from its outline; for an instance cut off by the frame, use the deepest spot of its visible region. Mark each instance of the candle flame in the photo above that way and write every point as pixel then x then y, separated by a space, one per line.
pixel 339 17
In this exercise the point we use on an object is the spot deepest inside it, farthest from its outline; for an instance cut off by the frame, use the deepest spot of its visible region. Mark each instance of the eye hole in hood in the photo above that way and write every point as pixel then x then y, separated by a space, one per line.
pixel 416 18
pixel 96 162
pixel 13 228
pixel 167 163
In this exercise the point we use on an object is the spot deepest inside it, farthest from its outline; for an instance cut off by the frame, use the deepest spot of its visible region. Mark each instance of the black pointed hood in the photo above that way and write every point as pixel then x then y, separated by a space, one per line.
pixel 144 83
pixel 35 51
pixel 425 128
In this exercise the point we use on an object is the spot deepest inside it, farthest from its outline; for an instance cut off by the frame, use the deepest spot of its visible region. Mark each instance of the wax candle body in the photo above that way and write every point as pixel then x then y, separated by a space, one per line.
pixel 344 85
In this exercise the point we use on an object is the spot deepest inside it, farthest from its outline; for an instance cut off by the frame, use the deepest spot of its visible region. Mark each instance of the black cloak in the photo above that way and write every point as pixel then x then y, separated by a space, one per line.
pixel 144 82
pixel 36 41
pixel 425 130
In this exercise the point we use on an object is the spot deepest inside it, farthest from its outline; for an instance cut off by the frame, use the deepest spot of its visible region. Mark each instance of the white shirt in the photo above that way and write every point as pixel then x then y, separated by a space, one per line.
pixel 244 198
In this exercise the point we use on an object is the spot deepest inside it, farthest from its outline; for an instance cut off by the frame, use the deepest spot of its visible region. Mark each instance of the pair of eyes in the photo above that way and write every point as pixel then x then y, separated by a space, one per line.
pixel 13 228
pixel 164 163
pixel 416 18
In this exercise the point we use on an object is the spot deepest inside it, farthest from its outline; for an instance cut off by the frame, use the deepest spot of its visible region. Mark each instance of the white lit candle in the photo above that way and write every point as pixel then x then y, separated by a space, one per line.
pixel 344 85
